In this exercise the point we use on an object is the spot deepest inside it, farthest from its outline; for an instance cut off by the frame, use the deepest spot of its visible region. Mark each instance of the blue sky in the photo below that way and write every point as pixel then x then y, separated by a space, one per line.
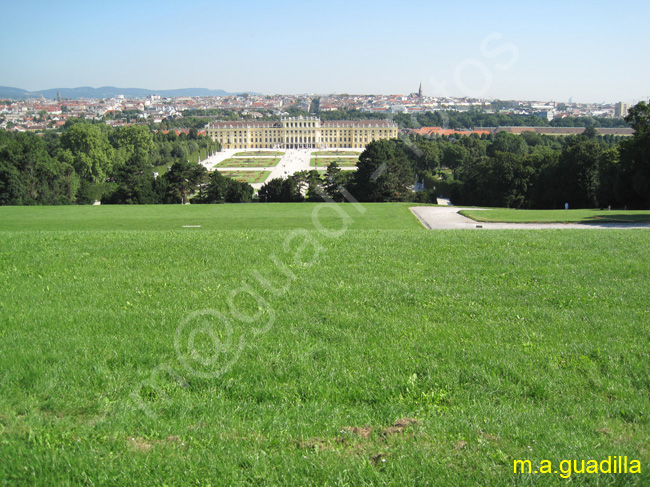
pixel 591 51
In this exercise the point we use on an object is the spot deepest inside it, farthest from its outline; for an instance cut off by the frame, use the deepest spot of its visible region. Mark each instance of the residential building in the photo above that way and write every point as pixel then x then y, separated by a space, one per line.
pixel 621 109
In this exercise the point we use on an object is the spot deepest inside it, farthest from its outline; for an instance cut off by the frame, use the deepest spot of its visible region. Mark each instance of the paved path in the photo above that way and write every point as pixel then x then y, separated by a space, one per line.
pixel 448 218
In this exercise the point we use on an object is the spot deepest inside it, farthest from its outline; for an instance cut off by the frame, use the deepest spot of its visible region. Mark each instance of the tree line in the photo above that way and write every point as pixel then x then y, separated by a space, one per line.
pixel 92 161
pixel 534 171
pixel 472 119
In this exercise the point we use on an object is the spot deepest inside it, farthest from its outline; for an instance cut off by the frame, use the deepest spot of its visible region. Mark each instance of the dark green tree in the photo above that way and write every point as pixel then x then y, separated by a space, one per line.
pixel 183 180
pixel 633 186
pixel 221 189
pixel 30 176
pixel 509 143
pixel 280 190
pixel 383 173
pixel 335 178
pixel 454 156
pixel 578 167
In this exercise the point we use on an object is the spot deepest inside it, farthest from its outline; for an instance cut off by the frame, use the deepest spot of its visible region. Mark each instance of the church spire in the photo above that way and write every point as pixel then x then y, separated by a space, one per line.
pixel 420 90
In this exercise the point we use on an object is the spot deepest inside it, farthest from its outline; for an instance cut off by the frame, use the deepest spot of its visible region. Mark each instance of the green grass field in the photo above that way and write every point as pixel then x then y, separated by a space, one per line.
pixel 557 216
pixel 341 161
pixel 250 162
pixel 361 350
pixel 248 176
pixel 258 153
pixel 336 153
pixel 253 216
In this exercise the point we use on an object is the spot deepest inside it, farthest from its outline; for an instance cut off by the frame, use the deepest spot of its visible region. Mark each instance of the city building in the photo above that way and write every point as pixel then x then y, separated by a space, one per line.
pixel 300 133
pixel 621 109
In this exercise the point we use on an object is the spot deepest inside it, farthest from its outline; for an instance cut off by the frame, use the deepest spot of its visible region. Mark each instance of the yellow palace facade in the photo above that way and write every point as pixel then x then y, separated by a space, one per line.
pixel 300 133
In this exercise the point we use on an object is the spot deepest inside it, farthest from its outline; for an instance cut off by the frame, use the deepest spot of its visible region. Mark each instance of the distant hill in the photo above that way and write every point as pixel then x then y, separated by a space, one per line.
pixel 106 92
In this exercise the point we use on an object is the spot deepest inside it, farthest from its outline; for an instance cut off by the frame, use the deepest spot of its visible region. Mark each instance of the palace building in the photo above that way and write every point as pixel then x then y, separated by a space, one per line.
pixel 300 133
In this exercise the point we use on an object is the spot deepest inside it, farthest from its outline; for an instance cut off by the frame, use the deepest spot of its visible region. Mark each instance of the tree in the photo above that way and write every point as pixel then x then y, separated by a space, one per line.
pixel 608 169
pixel 87 149
pixel 135 143
pixel 510 143
pixel 309 184
pixel 454 156
pixel 503 180
pixel 239 192
pixel 430 155
pixel 532 139
pixel 183 179
pixel 217 188
pixel 590 133
pixel 30 176
pixel 578 166
pixel 132 171
pixel 383 173
pixel 475 146
pixel 221 189
pixel 280 190
pixel 335 178
pixel 133 187
pixel 633 187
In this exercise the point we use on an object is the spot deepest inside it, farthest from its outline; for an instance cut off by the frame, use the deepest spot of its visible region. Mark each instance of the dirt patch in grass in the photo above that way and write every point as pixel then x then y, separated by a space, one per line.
pixel 488 436
pixel 399 426
pixel 313 444
pixel 364 432
pixel 142 444
pixel 348 433
pixel 460 444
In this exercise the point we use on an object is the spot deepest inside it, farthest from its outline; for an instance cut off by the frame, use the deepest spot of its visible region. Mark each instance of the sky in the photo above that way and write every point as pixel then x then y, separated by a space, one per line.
pixel 594 51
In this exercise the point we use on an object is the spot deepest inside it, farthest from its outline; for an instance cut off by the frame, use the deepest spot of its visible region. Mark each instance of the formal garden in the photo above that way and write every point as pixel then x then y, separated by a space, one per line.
pixel 247 176
pixel 250 162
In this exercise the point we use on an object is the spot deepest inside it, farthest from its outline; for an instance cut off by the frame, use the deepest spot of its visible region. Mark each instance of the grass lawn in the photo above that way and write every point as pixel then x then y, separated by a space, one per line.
pixel 162 169
pixel 137 352
pixel 258 153
pixel 336 153
pixel 250 162
pixel 248 176
pixel 251 216
pixel 557 216
pixel 341 161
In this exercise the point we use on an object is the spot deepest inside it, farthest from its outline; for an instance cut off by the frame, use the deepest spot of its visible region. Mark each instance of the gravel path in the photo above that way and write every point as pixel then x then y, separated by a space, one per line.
pixel 448 218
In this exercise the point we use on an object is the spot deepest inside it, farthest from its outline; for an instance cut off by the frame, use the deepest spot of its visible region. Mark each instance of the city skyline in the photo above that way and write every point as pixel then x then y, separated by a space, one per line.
pixel 503 51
